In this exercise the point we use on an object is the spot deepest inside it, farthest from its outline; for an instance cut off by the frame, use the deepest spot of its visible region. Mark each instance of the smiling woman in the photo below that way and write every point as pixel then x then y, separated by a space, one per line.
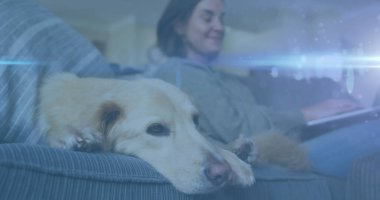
pixel 194 29
pixel 229 109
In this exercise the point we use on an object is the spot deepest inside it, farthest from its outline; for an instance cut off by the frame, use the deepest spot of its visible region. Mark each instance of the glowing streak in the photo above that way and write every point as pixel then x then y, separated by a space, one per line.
pixel 332 60
pixel 374 59
pixel 9 62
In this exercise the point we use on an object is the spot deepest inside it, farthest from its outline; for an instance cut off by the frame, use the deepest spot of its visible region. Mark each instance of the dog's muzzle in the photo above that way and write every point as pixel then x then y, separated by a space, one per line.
pixel 218 172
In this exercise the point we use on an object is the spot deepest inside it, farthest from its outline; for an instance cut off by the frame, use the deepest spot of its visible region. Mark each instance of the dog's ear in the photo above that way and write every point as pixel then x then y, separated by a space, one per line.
pixel 106 117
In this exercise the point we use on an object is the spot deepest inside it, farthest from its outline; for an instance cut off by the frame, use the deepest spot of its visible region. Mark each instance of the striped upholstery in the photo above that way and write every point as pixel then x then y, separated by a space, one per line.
pixel 274 183
pixel 364 179
pixel 38 172
pixel 34 44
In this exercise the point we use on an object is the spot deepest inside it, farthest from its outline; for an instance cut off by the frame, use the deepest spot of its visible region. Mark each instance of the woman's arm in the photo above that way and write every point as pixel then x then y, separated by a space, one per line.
pixel 227 109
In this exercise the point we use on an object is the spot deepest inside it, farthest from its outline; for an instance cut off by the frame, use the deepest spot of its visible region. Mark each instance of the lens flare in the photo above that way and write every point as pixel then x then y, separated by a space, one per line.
pixel 17 62
pixel 304 61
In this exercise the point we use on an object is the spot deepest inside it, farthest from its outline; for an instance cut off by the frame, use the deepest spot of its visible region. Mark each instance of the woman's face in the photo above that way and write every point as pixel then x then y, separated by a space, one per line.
pixel 203 34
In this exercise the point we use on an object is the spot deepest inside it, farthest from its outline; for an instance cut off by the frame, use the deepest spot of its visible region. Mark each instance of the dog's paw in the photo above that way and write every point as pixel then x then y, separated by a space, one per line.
pixel 62 141
pixel 244 148
pixel 242 173
pixel 85 140
pixel 88 140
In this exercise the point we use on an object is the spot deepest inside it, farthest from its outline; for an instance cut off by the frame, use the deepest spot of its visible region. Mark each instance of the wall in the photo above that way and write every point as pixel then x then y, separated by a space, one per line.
pixel 124 42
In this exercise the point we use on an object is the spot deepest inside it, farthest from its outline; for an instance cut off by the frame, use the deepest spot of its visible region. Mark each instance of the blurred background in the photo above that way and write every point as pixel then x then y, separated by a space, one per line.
pixel 124 29
pixel 302 39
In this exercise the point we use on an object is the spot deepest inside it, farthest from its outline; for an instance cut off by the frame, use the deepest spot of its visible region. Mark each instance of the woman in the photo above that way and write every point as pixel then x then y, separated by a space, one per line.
pixel 190 34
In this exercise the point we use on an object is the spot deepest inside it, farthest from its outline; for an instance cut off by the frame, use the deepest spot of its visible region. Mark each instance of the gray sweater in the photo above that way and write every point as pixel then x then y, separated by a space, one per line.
pixel 227 107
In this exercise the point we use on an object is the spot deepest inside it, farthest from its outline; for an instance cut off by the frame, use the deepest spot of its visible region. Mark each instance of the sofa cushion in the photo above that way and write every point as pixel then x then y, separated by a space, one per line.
pixel 275 183
pixel 34 44
pixel 39 172
pixel 364 179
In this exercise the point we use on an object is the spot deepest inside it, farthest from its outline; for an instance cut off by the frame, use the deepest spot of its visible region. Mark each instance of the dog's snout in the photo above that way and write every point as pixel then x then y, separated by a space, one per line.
pixel 217 172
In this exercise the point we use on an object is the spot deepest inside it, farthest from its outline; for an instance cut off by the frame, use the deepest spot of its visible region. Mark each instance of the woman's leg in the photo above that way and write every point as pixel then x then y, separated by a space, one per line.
pixel 333 153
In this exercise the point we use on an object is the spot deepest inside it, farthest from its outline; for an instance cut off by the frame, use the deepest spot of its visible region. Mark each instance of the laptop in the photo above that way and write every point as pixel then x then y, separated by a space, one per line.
pixel 370 112
pixel 367 93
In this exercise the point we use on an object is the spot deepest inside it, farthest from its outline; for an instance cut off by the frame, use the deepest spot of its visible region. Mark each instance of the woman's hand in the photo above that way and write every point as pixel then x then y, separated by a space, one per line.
pixel 328 108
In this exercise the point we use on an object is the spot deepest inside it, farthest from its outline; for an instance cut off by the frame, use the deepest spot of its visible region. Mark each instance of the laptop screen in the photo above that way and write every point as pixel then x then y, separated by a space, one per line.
pixel 367 87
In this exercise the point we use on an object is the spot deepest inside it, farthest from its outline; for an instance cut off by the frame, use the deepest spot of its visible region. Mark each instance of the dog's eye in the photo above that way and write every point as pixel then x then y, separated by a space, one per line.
pixel 158 129
pixel 196 120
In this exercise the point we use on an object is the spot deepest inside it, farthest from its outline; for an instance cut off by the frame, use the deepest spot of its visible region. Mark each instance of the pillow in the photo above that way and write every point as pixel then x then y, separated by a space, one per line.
pixel 34 44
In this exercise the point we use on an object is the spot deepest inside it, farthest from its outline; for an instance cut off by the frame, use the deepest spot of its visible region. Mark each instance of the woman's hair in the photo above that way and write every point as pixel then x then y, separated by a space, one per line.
pixel 168 40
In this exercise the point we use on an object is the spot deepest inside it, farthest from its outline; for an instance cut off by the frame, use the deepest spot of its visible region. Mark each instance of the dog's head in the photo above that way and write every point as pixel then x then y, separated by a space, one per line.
pixel 156 122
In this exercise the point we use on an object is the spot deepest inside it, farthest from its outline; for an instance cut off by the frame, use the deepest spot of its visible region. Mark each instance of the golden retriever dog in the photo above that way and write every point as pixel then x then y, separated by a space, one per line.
pixel 146 118
pixel 155 121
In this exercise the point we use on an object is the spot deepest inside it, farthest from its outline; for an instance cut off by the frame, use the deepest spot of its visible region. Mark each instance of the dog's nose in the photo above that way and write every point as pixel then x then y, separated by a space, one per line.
pixel 217 172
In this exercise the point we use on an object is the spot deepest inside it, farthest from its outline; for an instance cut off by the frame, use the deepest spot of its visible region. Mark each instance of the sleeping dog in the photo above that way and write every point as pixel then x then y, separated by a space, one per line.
pixel 146 118
pixel 155 121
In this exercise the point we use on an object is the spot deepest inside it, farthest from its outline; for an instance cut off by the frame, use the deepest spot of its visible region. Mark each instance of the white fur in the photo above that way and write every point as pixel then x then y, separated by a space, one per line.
pixel 70 109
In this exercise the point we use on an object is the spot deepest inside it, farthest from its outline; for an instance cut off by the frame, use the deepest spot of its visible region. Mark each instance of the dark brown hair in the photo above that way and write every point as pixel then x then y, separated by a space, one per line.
pixel 168 40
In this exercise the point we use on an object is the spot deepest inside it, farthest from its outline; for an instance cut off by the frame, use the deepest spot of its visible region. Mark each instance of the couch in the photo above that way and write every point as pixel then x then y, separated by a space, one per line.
pixel 33 44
